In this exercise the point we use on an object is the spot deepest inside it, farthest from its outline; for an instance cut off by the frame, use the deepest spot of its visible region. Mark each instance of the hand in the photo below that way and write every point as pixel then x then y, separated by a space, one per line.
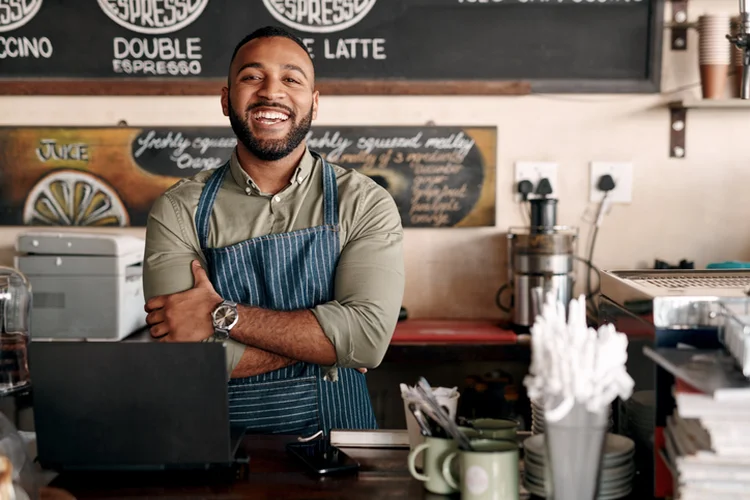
pixel 184 316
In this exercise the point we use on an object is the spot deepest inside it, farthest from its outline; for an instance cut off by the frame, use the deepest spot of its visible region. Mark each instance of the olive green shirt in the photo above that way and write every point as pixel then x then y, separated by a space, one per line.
pixel 369 282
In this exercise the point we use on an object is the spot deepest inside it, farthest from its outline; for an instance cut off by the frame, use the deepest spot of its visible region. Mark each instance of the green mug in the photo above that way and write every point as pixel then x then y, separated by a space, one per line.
pixel 488 472
pixel 470 432
pixel 436 450
pixel 496 428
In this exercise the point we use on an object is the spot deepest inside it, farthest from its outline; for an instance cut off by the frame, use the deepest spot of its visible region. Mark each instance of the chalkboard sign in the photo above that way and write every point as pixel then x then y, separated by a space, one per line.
pixel 358 46
pixel 438 176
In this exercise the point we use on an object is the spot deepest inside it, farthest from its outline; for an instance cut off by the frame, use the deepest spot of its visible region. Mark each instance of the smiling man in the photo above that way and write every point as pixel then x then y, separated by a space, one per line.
pixel 294 263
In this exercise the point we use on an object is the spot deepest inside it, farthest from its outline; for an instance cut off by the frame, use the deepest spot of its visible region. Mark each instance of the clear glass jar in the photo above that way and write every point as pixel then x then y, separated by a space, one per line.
pixel 15 332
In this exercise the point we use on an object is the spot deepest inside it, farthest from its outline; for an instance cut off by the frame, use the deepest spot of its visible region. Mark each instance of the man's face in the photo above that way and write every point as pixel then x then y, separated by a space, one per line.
pixel 270 101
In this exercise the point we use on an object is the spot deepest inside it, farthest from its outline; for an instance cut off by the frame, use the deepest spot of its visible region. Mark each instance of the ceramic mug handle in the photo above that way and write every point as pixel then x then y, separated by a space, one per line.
pixel 447 474
pixel 413 462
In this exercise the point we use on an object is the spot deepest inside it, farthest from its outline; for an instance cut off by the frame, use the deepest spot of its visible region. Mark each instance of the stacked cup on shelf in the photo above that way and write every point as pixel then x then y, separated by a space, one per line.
pixel 714 54
pixel 737 56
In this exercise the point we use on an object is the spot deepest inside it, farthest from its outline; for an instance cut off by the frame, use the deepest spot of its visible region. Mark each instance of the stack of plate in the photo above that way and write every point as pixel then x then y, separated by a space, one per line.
pixel 537 419
pixel 640 417
pixel 617 474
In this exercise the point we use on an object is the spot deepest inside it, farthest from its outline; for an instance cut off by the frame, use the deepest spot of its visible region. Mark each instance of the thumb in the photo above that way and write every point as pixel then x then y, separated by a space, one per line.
pixel 200 278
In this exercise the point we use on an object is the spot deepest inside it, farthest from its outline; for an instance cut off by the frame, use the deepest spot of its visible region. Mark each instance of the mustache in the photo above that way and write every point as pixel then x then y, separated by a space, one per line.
pixel 268 104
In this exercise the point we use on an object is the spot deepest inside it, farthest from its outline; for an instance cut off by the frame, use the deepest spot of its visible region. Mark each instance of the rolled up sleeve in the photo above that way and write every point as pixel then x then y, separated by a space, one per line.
pixel 166 265
pixel 369 286
pixel 170 248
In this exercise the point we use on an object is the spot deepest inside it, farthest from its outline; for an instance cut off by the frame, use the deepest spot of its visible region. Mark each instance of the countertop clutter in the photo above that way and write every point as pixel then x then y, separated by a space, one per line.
pixel 272 474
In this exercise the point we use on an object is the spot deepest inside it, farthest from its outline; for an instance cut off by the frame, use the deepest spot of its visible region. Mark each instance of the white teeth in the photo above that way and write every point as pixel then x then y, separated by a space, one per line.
pixel 270 115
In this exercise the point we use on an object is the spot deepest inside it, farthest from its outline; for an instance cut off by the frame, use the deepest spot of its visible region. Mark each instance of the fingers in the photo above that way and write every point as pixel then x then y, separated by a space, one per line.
pixel 155 303
pixel 159 331
pixel 362 370
pixel 156 316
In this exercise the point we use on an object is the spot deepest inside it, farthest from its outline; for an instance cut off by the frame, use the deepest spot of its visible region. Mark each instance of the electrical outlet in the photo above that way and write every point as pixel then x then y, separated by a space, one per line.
pixel 621 172
pixel 534 171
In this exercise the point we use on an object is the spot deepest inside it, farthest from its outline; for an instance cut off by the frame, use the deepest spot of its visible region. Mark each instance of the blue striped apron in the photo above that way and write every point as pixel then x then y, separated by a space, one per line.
pixel 284 272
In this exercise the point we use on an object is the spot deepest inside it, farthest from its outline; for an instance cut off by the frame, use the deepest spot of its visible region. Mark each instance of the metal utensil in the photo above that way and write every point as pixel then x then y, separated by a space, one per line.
pixel 421 419
pixel 436 412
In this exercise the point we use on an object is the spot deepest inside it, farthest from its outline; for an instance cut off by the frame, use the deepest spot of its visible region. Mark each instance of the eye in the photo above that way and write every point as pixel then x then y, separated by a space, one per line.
pixel 292 80
pixel 249 77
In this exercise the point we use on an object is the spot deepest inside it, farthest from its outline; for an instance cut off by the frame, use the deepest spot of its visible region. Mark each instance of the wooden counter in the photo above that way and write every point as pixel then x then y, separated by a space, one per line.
pixel 272 474
pixel 442 341
pixel 423 340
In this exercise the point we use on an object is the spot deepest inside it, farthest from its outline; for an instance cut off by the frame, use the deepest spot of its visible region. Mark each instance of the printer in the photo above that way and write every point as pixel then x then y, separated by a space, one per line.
pixel 84 286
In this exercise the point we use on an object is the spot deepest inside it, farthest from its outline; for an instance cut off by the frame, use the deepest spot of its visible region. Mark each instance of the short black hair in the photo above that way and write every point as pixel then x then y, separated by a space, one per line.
pixel 269 32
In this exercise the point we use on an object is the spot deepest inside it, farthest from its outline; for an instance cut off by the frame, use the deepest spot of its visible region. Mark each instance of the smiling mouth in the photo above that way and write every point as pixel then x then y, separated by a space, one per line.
pixel 267 117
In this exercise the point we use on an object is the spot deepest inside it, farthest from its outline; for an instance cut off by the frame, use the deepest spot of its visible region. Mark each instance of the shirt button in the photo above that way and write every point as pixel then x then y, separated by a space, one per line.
pixel 248 190
pixel 277 198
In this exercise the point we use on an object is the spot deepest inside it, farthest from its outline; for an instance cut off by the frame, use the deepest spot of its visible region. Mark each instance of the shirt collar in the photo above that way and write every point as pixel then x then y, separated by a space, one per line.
pixel 242 178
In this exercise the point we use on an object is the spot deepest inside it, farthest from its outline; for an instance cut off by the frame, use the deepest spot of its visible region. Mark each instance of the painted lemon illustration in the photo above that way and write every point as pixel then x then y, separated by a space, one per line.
pixel 73 198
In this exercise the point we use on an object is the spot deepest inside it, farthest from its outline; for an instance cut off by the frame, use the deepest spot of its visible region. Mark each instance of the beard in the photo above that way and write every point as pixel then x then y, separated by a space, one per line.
pixel 269 149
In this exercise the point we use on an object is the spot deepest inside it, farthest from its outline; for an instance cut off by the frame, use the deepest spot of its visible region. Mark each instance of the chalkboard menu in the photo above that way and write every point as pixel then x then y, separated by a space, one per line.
pixel 358 46
pixel 438 176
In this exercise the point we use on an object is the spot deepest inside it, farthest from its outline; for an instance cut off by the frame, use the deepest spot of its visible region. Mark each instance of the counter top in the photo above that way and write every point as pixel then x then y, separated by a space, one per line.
pixel 272 474
pixel 436 331
pixel 449 340
pixel 443 341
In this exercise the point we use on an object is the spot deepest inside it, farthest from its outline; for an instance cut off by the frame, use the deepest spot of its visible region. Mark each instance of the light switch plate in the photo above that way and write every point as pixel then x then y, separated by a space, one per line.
pixel 621 172
pixel 534 171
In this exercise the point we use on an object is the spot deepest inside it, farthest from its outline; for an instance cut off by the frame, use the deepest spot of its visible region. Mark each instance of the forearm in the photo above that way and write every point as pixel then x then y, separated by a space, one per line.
pixel 256 361
pixel 290 334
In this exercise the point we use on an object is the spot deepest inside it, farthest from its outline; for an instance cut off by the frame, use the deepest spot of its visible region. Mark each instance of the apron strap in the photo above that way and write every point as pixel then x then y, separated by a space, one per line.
pixel 330 195
pixel 206 204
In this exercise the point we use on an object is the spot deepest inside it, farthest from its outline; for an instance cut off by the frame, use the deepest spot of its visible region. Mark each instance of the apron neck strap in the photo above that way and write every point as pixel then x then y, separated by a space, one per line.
pixel 330 194
pixel 206 203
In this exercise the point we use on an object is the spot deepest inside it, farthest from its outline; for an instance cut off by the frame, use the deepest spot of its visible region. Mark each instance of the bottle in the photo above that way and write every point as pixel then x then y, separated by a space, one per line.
pixel 15 334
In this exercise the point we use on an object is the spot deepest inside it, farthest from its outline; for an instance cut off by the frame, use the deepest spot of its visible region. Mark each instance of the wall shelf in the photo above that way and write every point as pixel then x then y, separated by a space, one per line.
pixel 735 103
pixel 678 118
pixel 679 25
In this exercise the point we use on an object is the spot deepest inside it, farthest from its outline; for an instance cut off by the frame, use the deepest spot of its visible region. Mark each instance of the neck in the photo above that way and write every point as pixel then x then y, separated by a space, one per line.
pixel 270 176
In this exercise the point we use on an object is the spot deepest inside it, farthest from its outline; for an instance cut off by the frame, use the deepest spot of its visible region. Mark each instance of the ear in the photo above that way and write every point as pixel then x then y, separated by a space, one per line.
pixel 225 101
pixel 315 105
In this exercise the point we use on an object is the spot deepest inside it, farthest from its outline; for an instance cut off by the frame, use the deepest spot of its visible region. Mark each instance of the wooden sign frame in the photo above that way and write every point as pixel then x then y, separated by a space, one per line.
pixel 213 87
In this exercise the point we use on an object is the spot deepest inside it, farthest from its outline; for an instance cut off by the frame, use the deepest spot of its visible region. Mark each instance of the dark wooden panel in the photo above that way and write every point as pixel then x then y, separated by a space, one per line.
pixel 213 87
pixel 365 47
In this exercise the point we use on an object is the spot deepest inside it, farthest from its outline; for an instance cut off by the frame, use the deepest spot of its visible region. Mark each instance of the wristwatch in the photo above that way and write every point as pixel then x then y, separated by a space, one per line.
pixel 224 317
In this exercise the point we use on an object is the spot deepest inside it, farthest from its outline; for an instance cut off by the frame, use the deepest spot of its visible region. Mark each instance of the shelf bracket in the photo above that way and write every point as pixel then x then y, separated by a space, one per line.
pixel 677 126
pixel 680 27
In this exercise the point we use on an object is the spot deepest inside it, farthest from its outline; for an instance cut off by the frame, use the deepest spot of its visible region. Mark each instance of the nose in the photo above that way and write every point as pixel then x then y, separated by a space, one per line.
pixel 272 89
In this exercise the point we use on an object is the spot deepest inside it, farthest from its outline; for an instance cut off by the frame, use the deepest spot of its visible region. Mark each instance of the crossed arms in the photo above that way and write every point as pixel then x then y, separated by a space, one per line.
pixel 352 330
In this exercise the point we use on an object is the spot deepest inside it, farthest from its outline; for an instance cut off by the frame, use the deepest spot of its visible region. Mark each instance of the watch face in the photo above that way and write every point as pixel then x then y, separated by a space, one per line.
pixel 225 317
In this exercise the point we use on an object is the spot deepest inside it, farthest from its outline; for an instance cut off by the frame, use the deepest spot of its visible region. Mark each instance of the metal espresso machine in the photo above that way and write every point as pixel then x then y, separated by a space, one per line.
pixel 664 308
pixel 540 259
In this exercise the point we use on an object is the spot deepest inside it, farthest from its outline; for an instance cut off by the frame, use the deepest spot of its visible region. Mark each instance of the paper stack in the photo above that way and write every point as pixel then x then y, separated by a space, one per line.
pixel 707 437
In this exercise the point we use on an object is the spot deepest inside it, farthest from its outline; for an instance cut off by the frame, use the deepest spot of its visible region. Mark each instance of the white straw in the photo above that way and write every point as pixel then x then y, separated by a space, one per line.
pixel 574 363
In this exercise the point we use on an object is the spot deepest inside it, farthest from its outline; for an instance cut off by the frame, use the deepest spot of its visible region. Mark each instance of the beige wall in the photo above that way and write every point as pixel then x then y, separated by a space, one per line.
pixel 695 208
